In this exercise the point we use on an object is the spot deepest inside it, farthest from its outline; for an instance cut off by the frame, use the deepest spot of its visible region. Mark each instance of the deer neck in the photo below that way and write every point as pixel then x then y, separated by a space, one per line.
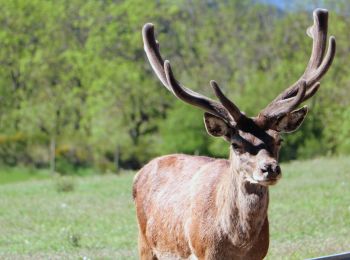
pixel 242 205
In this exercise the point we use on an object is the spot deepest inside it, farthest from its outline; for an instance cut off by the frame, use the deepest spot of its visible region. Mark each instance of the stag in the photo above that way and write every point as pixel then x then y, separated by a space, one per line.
pixel 196 207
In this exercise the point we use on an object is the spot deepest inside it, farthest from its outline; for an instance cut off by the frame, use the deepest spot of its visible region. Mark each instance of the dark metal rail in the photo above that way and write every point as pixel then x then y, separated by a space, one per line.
pixel 341 256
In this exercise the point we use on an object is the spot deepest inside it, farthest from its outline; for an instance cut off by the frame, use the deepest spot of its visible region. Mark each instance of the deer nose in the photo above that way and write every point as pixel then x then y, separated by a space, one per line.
pixel 272 169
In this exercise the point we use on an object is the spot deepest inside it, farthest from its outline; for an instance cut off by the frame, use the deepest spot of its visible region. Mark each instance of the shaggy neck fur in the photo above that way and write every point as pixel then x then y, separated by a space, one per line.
pixel 242 205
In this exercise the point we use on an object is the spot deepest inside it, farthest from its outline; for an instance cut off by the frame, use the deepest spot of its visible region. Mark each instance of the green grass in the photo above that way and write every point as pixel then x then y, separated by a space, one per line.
pixel 310 209
pixel 17 174
pixel 309 215
pixel 94 220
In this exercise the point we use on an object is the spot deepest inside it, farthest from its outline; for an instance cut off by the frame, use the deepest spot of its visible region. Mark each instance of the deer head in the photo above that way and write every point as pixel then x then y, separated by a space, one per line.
pixel 255 141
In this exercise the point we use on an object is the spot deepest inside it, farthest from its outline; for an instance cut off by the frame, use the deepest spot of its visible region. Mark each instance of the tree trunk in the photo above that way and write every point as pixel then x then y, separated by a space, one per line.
pixel 52 155
pixel 117 158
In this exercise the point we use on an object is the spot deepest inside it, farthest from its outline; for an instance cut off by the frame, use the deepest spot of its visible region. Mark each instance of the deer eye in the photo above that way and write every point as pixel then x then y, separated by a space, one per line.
pixel 236 146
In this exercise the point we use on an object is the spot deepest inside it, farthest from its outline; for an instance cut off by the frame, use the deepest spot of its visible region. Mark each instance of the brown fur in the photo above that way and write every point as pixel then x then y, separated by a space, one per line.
pixel 191 205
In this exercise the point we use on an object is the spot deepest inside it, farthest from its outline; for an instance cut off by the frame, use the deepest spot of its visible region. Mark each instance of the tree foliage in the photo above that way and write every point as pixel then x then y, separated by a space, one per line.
pixel 76 89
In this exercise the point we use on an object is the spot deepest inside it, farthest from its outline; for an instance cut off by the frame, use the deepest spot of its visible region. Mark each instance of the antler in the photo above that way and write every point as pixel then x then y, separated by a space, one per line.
pixel 307 85
pixel 225 110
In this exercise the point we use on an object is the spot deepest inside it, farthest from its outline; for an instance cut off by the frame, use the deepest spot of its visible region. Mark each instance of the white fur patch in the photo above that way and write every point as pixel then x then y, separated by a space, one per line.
pixel 193 257
pixel 170 256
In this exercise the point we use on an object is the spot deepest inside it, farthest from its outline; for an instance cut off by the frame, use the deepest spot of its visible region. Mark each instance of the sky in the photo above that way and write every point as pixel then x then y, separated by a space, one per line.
pixel 278 3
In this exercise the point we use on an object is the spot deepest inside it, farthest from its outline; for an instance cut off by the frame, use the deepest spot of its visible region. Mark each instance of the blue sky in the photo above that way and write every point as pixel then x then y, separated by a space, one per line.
pixel 279 3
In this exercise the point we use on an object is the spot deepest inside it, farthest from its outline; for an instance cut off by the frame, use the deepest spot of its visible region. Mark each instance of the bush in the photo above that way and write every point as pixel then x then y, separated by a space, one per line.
pixel 70 159
pixel 13 149
pixel 64 184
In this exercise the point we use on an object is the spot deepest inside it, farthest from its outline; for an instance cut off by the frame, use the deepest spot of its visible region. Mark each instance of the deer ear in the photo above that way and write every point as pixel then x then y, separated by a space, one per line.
pixel 291 121
pixel 215 125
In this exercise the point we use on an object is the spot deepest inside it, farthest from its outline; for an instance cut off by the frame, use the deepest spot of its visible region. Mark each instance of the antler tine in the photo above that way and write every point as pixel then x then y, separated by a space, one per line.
pixel 318 65
pixel 326 63
pixel 278 109
pixel 165 74
pixel 318 32
pixel 312 75
pixel 282 107
pixel 228 104
pixel 151 47
pixel 311 91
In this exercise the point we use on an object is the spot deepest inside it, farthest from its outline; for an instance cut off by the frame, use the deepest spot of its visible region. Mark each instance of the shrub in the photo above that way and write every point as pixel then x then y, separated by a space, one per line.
pixel 64 184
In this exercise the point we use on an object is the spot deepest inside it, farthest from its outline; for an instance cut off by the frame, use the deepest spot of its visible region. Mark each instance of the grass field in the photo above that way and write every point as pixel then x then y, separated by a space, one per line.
pixel 93 217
